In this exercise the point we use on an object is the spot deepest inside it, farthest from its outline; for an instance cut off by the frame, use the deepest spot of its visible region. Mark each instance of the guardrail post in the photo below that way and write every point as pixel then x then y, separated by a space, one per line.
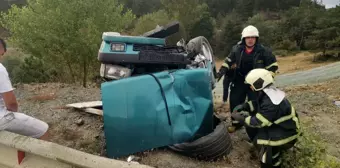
pixel 21 156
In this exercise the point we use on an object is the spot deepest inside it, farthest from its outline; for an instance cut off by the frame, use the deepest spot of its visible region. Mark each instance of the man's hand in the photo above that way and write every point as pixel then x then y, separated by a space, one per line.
pixel 221 72
pixel 238 117
pixel 233 66
pixel 10 101
pixel 242 107
pixel 238 108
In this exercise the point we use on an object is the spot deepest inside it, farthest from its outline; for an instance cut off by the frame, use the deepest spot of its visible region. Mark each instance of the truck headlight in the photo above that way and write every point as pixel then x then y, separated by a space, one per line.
pixel 114 71
pixel 117 47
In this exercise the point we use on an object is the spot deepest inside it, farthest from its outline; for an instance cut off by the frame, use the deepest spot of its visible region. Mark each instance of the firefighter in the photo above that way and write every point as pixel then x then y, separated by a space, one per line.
pixel 273 126
pixel 248 54
pixel 228 75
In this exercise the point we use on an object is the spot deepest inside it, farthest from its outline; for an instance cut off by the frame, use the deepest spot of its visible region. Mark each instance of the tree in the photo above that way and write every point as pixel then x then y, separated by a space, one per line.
pixel 298 23
pixel 149 21
pixel 142 7
pixel 268 29
pixel 245 8
pixel 229 34
pixel 203 27
pixel 327 33
pixel 188 12
pixel 65 34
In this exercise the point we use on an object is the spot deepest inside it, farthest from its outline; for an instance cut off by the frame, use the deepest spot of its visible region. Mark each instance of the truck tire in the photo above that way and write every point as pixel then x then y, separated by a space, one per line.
pixel 200 45
pixel 209 147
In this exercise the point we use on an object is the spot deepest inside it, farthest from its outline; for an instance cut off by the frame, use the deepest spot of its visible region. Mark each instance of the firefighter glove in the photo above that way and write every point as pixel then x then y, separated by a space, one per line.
pixel 238 117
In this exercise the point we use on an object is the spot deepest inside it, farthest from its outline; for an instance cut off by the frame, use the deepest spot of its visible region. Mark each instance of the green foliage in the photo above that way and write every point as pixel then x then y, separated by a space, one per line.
pixel 150 21
pixel 286 44
pixel 203 27
pixel 280 53
pixel 229 34
pixel 65 33
pixel 188 12
pixel 310 152
pixel 142 7
pixel 27 69
pixel 269 28
pixel 34 70
pixel 298 22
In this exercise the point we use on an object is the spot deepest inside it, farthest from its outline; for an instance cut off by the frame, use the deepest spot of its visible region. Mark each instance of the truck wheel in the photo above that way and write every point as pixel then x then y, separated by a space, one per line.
pixel 200 45
pixel 209 147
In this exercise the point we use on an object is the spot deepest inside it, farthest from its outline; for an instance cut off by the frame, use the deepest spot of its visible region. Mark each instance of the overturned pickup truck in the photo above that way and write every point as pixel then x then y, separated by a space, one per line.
pixel 125 56
pixel 156 95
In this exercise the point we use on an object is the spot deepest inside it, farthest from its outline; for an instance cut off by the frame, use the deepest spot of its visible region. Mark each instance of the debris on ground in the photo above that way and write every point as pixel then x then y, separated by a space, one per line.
pixel 313 102
pixel 337 103
pixel 80 122
pixel 92 107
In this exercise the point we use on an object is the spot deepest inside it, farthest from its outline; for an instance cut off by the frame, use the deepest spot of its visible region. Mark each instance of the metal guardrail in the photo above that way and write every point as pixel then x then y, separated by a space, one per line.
pixel 42 154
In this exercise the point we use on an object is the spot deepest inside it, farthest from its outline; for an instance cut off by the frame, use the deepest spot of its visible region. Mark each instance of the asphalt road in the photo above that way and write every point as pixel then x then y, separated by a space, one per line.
pixel 315 75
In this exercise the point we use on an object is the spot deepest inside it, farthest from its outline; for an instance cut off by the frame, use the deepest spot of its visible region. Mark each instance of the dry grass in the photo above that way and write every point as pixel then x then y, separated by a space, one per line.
pixel 315 105
pixel 43 97
pixel 293 63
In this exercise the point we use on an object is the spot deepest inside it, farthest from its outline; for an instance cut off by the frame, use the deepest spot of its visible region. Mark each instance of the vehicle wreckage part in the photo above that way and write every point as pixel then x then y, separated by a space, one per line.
pixel 114 71
pixel 163 31
pixel 209 147
pixel 144 54
pixel 135 114
pixel 200 45
pixel 109 38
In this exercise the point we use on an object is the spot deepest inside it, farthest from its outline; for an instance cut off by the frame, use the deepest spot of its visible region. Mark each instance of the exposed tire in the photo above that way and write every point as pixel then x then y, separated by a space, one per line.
pixel 200 45
pixel 209 147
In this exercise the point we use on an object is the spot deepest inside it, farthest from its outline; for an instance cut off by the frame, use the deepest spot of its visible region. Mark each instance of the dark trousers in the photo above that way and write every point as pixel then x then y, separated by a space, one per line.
pixel 238 94
pixel 226 83
pixel 271 156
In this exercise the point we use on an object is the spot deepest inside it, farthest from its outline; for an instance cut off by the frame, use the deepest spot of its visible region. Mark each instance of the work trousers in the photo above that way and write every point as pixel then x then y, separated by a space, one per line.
pixel 269 156
pixel 226 84
pixel 239 91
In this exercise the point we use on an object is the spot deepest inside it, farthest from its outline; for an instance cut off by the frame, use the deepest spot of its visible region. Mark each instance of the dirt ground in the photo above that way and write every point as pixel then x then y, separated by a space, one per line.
pixel 84 131
pixel 315 104
pixel 44 101
pixel 293 63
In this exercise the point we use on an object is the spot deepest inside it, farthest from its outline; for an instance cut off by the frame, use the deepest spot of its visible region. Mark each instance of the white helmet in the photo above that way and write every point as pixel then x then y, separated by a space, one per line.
pixel 250 31
pixel 259 78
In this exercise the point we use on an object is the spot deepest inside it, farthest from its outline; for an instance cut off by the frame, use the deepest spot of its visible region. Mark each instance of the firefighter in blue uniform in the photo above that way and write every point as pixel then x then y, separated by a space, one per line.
pixel 273 124
pixel 248 54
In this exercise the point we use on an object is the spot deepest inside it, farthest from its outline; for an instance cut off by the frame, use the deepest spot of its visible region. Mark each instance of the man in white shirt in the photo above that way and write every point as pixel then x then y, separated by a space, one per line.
pixel 10 119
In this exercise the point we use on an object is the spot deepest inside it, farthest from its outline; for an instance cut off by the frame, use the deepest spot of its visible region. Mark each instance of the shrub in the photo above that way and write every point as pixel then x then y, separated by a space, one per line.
pixel 281 53
pixel 310 152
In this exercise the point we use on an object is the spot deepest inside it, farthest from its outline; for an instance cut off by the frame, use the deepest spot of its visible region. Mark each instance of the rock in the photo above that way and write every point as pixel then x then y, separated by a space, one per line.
pixel 133 158
pixel 80 122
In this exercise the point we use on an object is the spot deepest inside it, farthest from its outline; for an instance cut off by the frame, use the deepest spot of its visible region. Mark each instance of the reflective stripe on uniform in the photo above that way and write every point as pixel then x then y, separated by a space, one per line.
pixel 247 121
pixel 278 142
pixel 235 122
pixel 288 117
pixel 276 155
pixel 225 65
pixel 264 157
pixel 251 106
pixel 278 163
pixel 264 121
pixel 271 65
